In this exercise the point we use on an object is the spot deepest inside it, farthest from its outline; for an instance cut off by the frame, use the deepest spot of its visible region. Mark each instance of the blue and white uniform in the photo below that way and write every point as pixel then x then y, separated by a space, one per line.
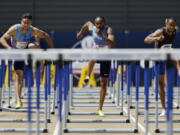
pixel 21 40
pixel 100 43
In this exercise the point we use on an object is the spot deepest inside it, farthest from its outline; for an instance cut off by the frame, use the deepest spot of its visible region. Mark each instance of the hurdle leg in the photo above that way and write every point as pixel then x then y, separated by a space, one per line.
pixel 156 96
pixel 49 90
pixel 55 92
pixel 38 80
pixel 9 82
pixel 71 87
pixel 137 94
pixel 129 79
pixel 122 88
pixel 29 75
pixel 0 86
pixel 170 84
pixel 178 98
pixel 118 88
pixel 146 87
pixel 46 100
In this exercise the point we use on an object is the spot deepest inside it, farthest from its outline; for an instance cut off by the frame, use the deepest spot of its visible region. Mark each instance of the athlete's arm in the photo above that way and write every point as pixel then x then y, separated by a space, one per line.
pixel 3 40
pixel 42 34
pixel 156 36
pixel 88 26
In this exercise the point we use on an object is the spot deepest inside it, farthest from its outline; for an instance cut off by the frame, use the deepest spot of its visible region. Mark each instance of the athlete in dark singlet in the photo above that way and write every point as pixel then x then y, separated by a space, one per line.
pixel 163 38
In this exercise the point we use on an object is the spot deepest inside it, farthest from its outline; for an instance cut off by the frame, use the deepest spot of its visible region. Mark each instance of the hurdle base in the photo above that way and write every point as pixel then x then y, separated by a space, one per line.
pixel 157 131
pixel 136 131
pixel 164 131
pixel 48 121
pixel 127 121
pixel 45 130
pixel 98 130
pixel 132 107
pixel 20 130
pixel 98 121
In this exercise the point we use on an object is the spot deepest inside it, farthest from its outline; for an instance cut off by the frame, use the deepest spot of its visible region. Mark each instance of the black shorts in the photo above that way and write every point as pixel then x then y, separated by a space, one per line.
pixel 19 65
pixel 105 67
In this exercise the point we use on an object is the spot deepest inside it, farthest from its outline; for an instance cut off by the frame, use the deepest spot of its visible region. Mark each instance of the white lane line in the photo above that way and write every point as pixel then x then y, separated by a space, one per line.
pixel 57 130
pixel 142 128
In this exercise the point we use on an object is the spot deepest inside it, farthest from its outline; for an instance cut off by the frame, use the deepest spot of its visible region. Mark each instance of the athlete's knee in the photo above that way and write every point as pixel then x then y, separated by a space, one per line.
pixel 19 76
pixel 33 46
pixel 103 84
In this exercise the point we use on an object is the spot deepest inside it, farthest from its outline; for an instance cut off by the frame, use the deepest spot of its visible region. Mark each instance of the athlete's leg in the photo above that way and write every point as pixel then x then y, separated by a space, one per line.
pixel 33 46
pixel 104 73
pixel 19 83
pixel 162 83
pixel 161 90
pixel 19 69
pixel 91 64
pixel 103 89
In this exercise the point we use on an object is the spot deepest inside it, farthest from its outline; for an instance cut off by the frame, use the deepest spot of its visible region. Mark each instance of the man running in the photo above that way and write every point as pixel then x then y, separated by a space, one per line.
pixel 102 38
pixel 21 35
pixel 163 38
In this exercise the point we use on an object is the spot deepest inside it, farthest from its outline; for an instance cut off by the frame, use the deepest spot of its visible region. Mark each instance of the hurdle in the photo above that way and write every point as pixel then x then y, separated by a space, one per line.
pixel 155 55
pixel 28 110
pixel 96 120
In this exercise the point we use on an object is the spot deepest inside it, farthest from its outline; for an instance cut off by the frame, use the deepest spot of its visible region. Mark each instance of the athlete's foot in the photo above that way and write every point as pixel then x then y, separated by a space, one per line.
pixel 86 80
pixel 101 113
pixel 19 105
pixel 163 113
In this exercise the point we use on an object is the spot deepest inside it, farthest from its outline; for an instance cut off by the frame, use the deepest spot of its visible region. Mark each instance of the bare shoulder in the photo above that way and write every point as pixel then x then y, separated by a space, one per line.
pixel 109 30
pixel 10 32
pixel 12 29
pixel 36 30
pixel 157 32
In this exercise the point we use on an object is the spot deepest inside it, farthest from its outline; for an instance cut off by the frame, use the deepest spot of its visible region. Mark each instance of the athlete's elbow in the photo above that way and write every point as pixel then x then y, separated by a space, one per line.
pixel 46 35
pixel 1 41
pixel 146 40
pixel 112 45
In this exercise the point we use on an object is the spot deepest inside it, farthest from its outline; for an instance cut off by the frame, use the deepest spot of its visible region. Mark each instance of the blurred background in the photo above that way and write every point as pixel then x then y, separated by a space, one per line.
pixel 131 20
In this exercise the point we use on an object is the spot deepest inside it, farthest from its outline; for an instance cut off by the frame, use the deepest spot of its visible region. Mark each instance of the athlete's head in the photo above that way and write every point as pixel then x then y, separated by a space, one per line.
pixel 26 20
pixel 170 24
pixel 99 22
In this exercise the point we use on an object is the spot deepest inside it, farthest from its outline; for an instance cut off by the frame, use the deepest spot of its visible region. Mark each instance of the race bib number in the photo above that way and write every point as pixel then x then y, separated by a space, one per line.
pixel 166 46
pixel 21 45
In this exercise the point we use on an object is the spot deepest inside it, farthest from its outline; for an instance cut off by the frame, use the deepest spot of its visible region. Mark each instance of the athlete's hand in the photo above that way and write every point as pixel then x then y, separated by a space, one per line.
pixel 79 35
pixel 160 38
pixel 9 48
pixel 99 32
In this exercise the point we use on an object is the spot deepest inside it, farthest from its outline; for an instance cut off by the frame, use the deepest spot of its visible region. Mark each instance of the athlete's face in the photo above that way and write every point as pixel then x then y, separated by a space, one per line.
pixel 25 23
pixel 99 23
pixel 171 25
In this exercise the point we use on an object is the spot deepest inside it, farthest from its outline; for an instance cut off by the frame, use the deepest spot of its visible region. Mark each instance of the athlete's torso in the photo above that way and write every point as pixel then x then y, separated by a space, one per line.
pixel 21 40
pixel 168 39
pixel 97 39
